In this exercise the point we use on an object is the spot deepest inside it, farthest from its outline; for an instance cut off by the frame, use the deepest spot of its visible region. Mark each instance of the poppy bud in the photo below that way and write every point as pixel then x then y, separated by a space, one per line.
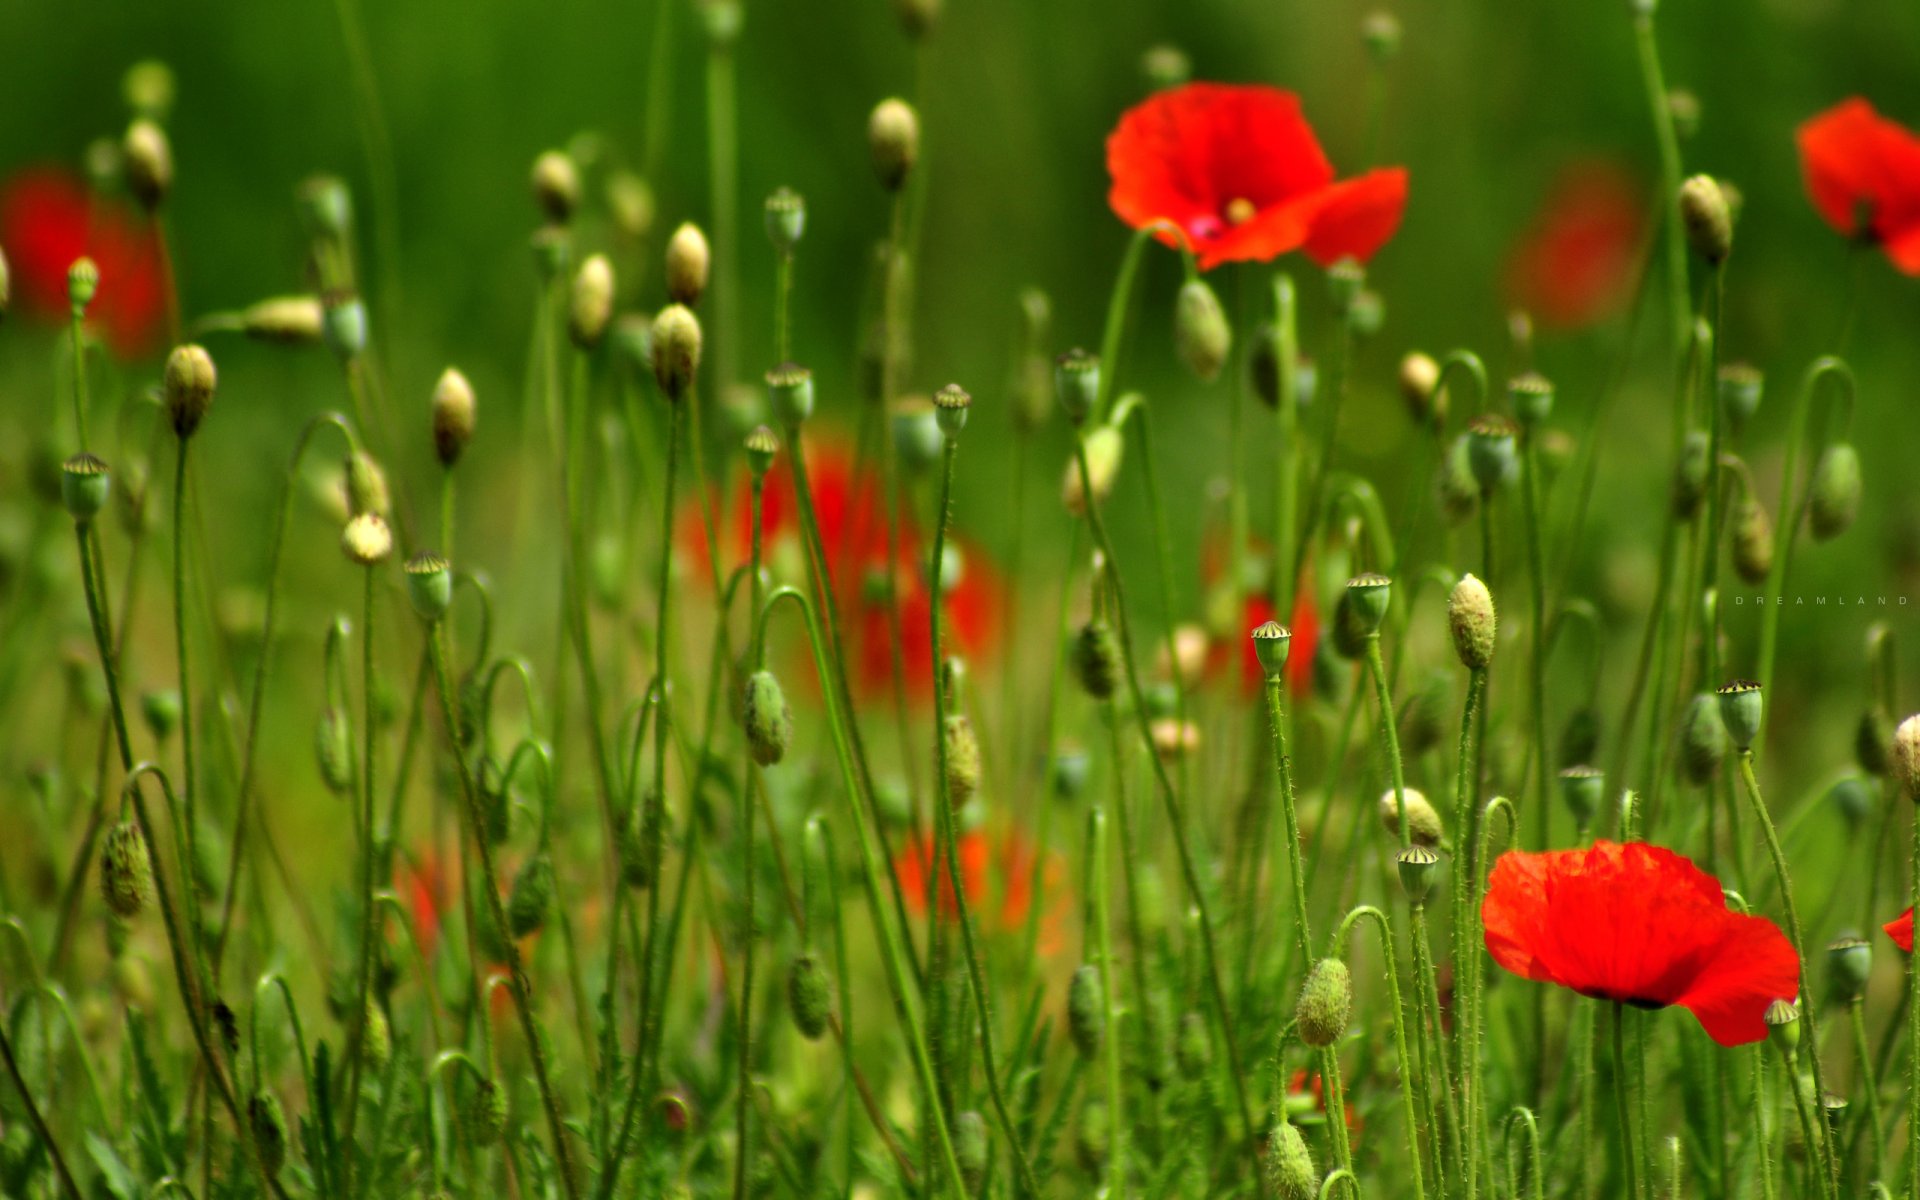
pixel 161 711
pixel 1490 451
pixel 970 1149
pixel 269 1124
pixel 688 263
pixel 1086 1011
pixel 1096 659
pixel 333 748
pixel 366 485
pixel 1076 377
pixel 1289 1163
pixel 676 350
pixel 556 185
pixel 1165 66
pixel 591 310
pixel 1454 483
pixel 1740 386
pixel 635 845
pixel 126 870
pixel 1690 475
pixel 1104 448
pixel 630 202
pixel 950 406
pixel 1703 739
pixel 1270 642
pixel 893 138
pixel 963 759
pixel 1531 395
pixel 1069 773
pixel 1783 1025
pixel 1416 865
pixel 790 393
pixel 1854 797
pixel 768 718
pixel 809 996
pixel 1381 33
pixel 1752 542
pixel 1419 376
pixel 83 281
pixel 84 486
pixel 1423 819
pixel 552 250
pixel 1740 712
pixel 916 433
pixel 1369 595
pixel 1850 960
pixel 531 896
pixel 454 416
pixel 149 163
pixel 326 205
pixel 485 1118
pixel 367 540
pixel 429 586
pixel 761 447
pixel 1173 738
pixel 343 324
pixel 786 219
pixel 1200 330
pixel 1471 621
pixel 188 384
pixel 1834 499
pixel 1326 1002
pixel 1707 220
pixel 1581 789
pixel 1684 109
pixel 290 320
pixel 1423 717
pixel 377 1041
pixel 1906 756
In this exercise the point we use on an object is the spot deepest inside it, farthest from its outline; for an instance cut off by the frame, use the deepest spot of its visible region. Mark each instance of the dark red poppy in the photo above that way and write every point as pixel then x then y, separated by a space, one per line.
pixel 1641 925
pixel 1574 264
pixel 48 219
pixel 1900 929
pixel 1239 171
pixel 1863 173
pixel 995 869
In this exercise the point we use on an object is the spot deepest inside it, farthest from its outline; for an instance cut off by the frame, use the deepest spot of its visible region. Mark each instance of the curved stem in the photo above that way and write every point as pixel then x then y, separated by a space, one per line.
pixel 1409 1113
pixel 1793 500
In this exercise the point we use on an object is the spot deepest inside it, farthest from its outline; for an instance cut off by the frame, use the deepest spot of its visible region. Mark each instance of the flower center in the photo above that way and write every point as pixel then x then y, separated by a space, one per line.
pixel 1240 210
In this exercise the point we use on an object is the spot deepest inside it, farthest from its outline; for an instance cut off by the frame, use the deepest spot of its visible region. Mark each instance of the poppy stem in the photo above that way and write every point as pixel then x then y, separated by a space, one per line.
pixel 1286 475
pixel 1913 1041
pixel 1388 732
pixel 1765 1169
pixel 79 340
pixel 1660 108
pixel 1629 1140
pixel 1100 884
pixel 1856 1011
pixel 1410 1113
pixel 369 850
pixel 1465 923
pixel 1443 1120
pixel 1283 770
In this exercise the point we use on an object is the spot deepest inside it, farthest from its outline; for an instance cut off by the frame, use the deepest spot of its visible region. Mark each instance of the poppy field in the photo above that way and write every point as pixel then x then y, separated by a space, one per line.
pixel 957 598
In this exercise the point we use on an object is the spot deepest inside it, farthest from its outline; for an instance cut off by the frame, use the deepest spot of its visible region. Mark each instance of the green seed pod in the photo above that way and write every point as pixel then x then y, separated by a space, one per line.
pixel 1531 395
pixel 917 440
pixel 786 219
pixel 377 1041
pixel 970 1148
pixel 950 405
pixel 84 486
pixel 1416 865
pixel 963 759
pixel 1076 379
pixel 1740 388
pixel 1741 710
pixel 126 870
pixel 1580 736
pixel 1270 642
pixel 1472 622
pixel 1290 1173
pixel 768 718
pixel 1349 631
pixel 1192 1049
pixel 161 711
pixel 1086 1011
pixel 1783 1025
pixel 1096 659
pixel 1455 486
pixel 1200 330
pixel 790 393
pixel 1370 594
pixel 1423 820
pixel 1581 789
pixel 893 139
pixel 333 747
pixel 269 1124
pixel 1834 500
pixel 1752 542
pixel 809 996
pixel 1850 962
pixel 187 386
pixel 429 586
pixel 1326 1001
pixel 1906 756
pixel 532 895
pixel 1491 453
pixel 1703 740
pixel 485 1117
pixel 1708 220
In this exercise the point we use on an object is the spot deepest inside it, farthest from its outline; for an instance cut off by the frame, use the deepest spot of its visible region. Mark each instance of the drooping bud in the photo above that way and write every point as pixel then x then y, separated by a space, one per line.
pixel 148 158
pixel 556 185
pixel 1906 756
pixel 676 349
pixel 454 415
pixel 187 385
pixel 1416 865
pixel 950 405
pixel 531 897
pixel 963 758
pixel 366 540
pixel 1076 378
pixel 1289 1164
pixel 269 1124
pixel 1419 376
pixel 1870 741
pixel 1270 642
pixel 1326 1003
pixel 1531 395
pixel 1703 739
pixel 790 393
pixel 333 749
pixel 1490 451
pixel 786 219
pixel 1833 500
pixel 429 586
pixel 1706 218
pixel 84 486
pixel 485 1118
pixel 377 1040
pixel 1690 475
pixel 1104 448
pixel 1454 483
pixel 1096 659
pixel 367 490
pixel 893 138
pixel 1200 330
pixel 688 263
pixel 1423 819
pixel 1752 542
pixel 1471 621
pixel 1740 711
pixel 809 996
pixel 1369 596
pixel 1740 386
pixel 1581 790
pixel 326 205
pixel 1086 1011
pixel 288 320
pixel 591 310
pixel 768 718
pixel 126 870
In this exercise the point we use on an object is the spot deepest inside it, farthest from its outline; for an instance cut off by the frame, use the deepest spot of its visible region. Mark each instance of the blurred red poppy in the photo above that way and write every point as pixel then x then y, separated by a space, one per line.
pixel 48 219
pixel 421 882
pixel 992 867
pixel 1574 264
pixel 1863 173
pixel 1900 929
pixel 1305 628
pixel 1239 171
pixel 1642 925
pixel 1310 1089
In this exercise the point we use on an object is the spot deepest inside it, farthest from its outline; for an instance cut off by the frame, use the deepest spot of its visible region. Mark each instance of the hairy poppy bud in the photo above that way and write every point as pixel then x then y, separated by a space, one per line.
pixel 1707 219
pixel 1752 542
pixel 188 385
pixel 149 163
pixel 1531 395
pixel 1581 790
pixel 1270 642
pixel 768 718
pixel 1703 739
pixel 1086 1011
pixel 790 393
pixel 1850 961
pixel 950 405
pixel 532 895
pixel 269 1124
pixel 1104 448
pixel 1690 475
pixel 485 1118
pixel 367 490
pixel 963 758
pixel 1870 742
pixel 367 540
pixel 126 870
pixel 809 996
pixel 1096 659
pixel 1471 621
pixel 556 185
pixel 1423 819
pixel 688 263
pixel 1326 1003
pixel 454 415
pixel 429 585
pixel 333 748
pixel 1419 376
pixel 786 215
pixel 1740 712
pixel 893 138
pixel 1289 1164
pixel 84 486
pixel 377 1041
pixel 592 304
pixel 676 349
pixel 1369 596
pixel 636 841
pixel 1834 499
pixel 1200 330
pixel 1783 1025
pixel 1490 451
pixel 970 1149
pixel 1416 865
pixel 1076 378
pixel 1906 756
pixel 1740 386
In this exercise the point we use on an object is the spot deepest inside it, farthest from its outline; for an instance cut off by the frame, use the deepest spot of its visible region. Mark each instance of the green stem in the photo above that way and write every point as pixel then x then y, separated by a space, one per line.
pixel 1629 1141
pixel 79 342
pixel 1389 733
pixel 1793 500
pixel 1283 769
pixel 1409 1111
pixel 1099 870
pixel 1660 109
pixel 369 918
pixel 38 1121
pixel 1537 680
pixel 1286 475
pixel 1856 1009
pixel 1761 1146
pixel 187 789
pixel 1913 1042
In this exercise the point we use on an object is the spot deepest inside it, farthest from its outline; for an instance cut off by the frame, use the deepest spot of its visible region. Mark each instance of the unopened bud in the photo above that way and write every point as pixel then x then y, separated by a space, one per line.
pixel 367 540
pixel 1326 1003
pixel 1752 542
pixel 809 996
pixel 188 386
pixel 893 138
pixel 591 310
pixel 1423 819
pixel 1419 376
pixel 1906 756
pixel 1472 622
pixel 1707 220
pixel 149 163
pixel 1166 66
pixel 963 759
pixel 556 185
pixel 269 1124
pixel 786 219
pixel 148 88
pixel 1104 449
pixel 485 1119
pixel 1690 476
pixel 1200 330
pixel 160 709
pixel 454 415
pixel 688 263
pixel 83 281
pixel 290 320
pixel 917 18
pixel 1703 739
pixel 767 717
pixel 531 897
pixel 343 324
pixel 126 870
pixel 1289 1164
pixel 333 750
pixel 1834 498
pixel 1096 659
pixel 1740 386
pixel 676 349
pixel 1086 1011
pixel 1381 32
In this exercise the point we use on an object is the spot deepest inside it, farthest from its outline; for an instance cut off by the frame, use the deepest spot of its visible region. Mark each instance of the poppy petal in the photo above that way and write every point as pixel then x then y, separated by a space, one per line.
pixel 1357 216
pixel 1837 150
pixel 1900 929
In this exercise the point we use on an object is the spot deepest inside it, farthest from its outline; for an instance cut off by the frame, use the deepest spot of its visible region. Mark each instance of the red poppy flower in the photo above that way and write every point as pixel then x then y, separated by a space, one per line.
pixel 1305 628
pixel 421 883
pixel 992 867
pixel 1900 929
pixel 1642 925
pixel 1863 173
pixel 1239 171
pixel 1574 264
pixel 47 220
